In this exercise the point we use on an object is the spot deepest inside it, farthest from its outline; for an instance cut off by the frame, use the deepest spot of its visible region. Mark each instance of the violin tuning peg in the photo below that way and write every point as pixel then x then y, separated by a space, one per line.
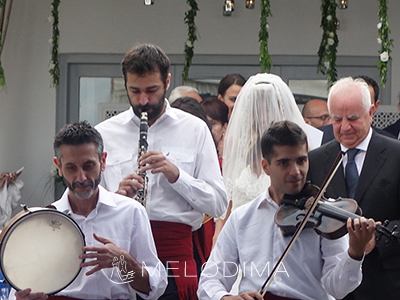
pixel 386 223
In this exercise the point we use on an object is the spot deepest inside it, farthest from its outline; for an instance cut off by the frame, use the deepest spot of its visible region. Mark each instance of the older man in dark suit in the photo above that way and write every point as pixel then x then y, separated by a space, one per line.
pixel 377 163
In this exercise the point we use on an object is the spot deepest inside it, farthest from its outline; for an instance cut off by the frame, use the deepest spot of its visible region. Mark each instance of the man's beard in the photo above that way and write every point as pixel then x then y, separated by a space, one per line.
pixel 154 110
pixel 85 194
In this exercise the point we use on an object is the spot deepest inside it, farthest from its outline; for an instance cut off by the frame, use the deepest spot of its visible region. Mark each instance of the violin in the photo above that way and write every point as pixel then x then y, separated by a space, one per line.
pixel 328 218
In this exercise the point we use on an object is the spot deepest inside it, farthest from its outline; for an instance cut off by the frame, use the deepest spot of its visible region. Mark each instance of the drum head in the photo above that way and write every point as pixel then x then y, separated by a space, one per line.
pixel 40 250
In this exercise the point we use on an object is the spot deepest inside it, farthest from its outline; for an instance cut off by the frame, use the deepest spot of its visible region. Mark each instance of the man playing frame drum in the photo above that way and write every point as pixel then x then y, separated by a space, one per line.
pixel 120 259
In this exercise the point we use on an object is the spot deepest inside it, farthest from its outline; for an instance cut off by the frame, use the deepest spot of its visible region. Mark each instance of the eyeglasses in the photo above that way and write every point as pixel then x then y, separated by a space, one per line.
pixel 323 117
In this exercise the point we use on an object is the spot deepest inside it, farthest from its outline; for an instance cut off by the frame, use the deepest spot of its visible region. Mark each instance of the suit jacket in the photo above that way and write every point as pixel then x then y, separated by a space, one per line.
pixel 393 129
pixel 378 195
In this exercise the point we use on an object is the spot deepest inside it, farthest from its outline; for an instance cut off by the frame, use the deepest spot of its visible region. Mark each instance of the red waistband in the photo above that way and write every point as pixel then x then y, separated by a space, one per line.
pixel 173 240
pixel 174 245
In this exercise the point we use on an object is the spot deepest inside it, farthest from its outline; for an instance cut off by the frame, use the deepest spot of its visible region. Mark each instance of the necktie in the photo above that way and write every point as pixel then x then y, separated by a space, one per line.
pixel 351 172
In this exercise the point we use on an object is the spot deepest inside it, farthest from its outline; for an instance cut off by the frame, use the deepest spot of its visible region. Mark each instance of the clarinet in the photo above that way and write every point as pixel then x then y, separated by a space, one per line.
pixel 141 194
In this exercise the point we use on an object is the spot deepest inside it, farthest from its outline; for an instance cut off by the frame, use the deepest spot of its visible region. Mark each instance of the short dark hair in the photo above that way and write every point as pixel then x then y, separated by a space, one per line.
pixel 191 106
pixel 75 134
pixel 229 80
pixel 283 133
pixel 144 59
pixel 215 109
pixel 372 83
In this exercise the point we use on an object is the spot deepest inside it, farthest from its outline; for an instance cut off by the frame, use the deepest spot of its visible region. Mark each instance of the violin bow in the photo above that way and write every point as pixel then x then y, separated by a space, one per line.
pixel 299 229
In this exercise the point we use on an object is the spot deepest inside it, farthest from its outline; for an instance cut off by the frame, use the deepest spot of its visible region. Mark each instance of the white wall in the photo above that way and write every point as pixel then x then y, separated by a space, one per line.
pixel 27 115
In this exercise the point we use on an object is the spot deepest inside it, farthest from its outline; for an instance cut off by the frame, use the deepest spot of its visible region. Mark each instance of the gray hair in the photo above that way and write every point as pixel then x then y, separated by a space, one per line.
pixel 180 91
pixel 349 82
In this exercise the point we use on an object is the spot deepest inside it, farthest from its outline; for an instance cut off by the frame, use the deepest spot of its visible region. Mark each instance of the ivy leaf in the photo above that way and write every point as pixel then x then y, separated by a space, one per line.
pixel 54 70
pixel 386 43
pixel 329 43
pixel 191 38
pixel 265 59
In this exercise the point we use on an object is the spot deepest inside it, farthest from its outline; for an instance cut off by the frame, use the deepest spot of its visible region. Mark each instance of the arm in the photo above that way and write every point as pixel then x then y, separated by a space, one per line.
pixel 9 177
pixel 342 257
pixel 103 256
pixel 202 186
pixel 221 269
pixel 219 224
pixel 27 295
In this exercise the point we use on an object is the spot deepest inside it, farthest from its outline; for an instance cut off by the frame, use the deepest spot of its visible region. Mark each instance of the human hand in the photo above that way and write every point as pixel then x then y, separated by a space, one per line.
pixel 220 223
pixel 157 162
pixel 3 178
pixel 246 296
pixel 101 256
pixel 9 177
pixel 129 185
pixel 27 295
pixel 361 237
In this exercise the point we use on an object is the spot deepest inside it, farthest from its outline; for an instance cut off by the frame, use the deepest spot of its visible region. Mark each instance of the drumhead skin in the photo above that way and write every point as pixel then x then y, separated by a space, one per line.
pixel 40 250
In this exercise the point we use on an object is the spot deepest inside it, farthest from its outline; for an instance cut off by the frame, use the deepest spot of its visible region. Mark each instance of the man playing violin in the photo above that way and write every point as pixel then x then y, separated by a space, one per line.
pixel 315 268
pixel 377 191
pixel 115 228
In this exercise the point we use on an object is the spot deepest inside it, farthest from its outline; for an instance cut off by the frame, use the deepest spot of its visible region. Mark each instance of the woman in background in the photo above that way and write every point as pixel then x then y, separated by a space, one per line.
pixel 228 89
pixel 217 114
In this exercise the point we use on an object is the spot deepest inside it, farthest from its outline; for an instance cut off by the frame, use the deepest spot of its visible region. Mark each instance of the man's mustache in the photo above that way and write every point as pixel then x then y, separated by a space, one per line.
pixel 82 184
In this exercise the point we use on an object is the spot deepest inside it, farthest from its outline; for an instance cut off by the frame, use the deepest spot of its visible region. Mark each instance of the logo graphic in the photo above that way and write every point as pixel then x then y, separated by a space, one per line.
pixel 124 276
pixel 55 224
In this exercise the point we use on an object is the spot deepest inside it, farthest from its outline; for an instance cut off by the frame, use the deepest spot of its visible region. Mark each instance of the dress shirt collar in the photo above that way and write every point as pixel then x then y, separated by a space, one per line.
pixel 266 200
pixel 64 205
pixel 169 112
pixel 363 146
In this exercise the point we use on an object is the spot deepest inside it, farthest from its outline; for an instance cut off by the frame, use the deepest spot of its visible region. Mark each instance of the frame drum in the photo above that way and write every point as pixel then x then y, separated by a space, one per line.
pixel 40 250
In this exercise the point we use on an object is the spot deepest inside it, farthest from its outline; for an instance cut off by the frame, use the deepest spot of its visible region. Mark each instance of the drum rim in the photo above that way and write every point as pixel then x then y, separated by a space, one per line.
pixel 13 222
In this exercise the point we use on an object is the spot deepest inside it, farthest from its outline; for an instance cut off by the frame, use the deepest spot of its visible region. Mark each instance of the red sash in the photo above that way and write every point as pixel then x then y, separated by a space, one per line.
pixel 202 240
pixel 174 245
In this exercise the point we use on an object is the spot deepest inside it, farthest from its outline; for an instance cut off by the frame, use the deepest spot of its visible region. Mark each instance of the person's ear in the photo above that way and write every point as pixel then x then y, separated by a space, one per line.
pixel 377 103
pixel 265 166
pixel 58 164
pixel 168 81
pixel 224 128
pixel 103 162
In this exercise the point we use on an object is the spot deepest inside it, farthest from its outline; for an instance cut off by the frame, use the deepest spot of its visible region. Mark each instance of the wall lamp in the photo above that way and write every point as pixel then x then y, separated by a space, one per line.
pixel 342 4
pixel 229 7
pixel 250 4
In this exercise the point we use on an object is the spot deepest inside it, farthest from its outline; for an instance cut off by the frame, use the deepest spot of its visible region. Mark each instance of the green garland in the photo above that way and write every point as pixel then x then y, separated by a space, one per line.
pixel 2 75
pixel 191 38
pixel 383 39
pixel 328 47
pixel 265 59
pixel 54 68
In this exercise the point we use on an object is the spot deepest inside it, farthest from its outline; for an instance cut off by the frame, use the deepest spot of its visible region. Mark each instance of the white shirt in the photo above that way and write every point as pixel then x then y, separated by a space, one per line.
pixel 188 144
pixel 124 222
pixel 314 267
